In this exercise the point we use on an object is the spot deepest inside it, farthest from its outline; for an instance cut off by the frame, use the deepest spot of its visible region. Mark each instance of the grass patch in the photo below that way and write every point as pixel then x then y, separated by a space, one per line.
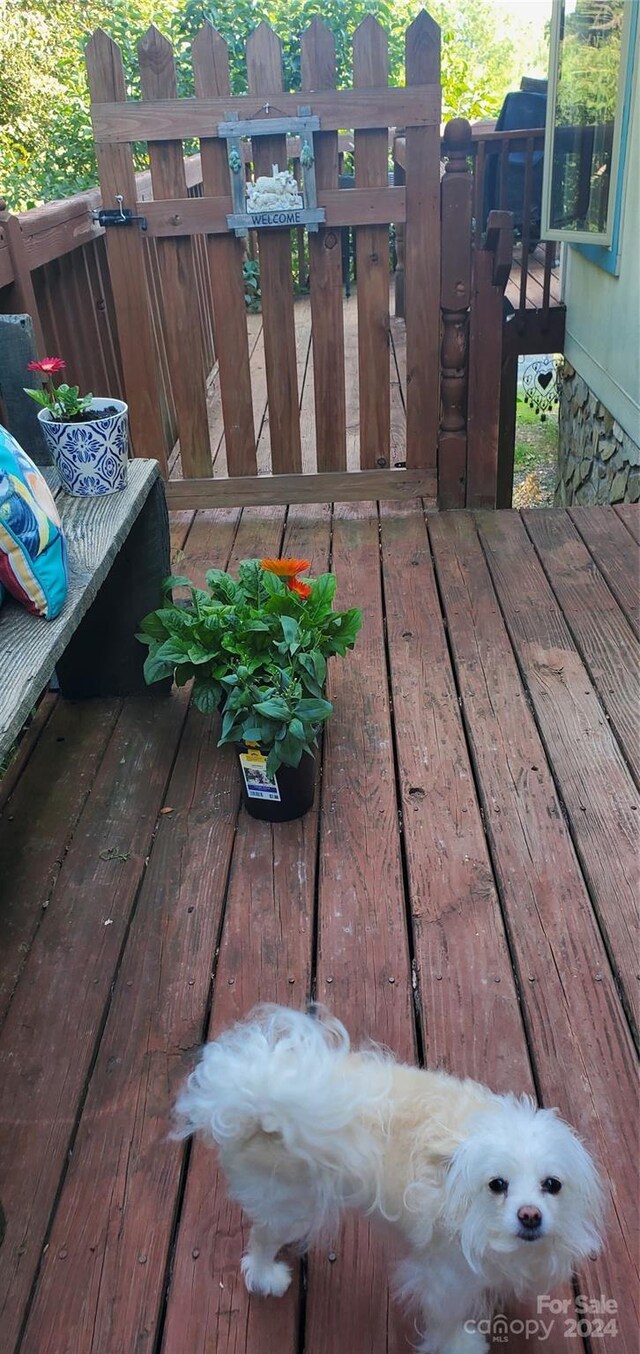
pixel 536 451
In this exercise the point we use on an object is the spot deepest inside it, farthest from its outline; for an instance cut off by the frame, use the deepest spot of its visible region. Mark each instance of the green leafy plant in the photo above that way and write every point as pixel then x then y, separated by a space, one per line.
pixel 251 278
pixel 257 648
pixel 64 402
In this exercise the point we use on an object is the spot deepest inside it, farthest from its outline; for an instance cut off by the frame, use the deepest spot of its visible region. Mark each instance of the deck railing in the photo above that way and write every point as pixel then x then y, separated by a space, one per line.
pixel 507 175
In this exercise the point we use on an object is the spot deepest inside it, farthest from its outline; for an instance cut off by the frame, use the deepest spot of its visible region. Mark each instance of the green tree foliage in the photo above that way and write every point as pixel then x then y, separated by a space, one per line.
pixel 46 148
pixel 46 144
pixel 590 58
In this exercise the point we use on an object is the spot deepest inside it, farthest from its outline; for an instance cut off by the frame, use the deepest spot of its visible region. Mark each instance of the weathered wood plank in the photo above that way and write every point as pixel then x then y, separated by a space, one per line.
pixel 47 1045
pixel 363 968
pixel 472 1022
pixel 616 555
pixel 371 67
pixel 302 320
pixel 126 264
pixel 158 1013
pixel 582 1047
pixel 95 530
pixel 211 75
pixel 464 982
pixel 422 254
pixel 172 218
pixel 335 487
pixel 264 69
pixel 115 1215
pixel 265 955
pixel 592 778
pixel 18 757
pixel 113 124
pixel 455 300
pixel 485 365
pixel 318 56
pixel 600 631
pixel 629 513
pixel 38 822
pixel 177 270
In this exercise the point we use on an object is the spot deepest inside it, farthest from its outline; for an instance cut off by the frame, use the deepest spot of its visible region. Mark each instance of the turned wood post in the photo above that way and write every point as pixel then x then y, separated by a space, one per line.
pixel 455 298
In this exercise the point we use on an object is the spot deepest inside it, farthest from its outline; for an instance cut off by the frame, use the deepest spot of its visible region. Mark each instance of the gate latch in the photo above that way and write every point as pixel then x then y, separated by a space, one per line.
pixel 118 216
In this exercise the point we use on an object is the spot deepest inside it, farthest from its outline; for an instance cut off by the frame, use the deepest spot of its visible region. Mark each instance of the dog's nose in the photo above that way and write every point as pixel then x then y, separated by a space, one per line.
pixel 530 1217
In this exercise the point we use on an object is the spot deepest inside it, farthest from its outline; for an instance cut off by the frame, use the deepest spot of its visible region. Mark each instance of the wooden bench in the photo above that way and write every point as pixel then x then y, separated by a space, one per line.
pixel 118 549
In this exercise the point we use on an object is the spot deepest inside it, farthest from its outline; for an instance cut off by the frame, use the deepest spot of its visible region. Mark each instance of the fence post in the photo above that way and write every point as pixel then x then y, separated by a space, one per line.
pixel 455 299
pixel 318 56
pixel 492 266
pixel 25 297
pixel 176 260
pixel 126 263
pixel 422 253
pixel 225 253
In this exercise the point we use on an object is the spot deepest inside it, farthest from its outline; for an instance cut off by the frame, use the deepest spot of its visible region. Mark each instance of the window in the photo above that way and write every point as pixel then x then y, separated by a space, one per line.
pixel 590 56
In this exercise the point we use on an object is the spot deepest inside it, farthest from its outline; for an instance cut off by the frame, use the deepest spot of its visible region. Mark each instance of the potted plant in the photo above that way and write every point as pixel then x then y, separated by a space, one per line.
pixel 88 437
pixel 257 648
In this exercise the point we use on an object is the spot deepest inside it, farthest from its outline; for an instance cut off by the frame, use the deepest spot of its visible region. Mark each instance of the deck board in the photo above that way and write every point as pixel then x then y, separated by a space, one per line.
pixel 440 854
pixel 615 553
pixel 599 629
pixel 56 1014
pixel 581 1042
pixel 363 969
pixel 594 784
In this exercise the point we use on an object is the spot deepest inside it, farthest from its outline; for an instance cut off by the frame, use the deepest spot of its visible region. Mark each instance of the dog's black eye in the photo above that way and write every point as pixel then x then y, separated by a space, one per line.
pixel 551 1185
pixel 498 1186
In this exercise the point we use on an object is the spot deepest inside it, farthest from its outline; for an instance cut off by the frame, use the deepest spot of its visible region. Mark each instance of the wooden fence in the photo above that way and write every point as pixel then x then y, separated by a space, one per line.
pixel 145 316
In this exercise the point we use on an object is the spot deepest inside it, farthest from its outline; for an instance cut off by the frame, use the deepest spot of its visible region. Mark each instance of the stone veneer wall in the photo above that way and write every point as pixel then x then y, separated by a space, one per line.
pixel 597 460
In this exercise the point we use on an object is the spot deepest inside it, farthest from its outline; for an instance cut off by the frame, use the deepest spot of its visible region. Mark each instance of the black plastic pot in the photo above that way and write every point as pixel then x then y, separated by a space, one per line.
pixel 295 786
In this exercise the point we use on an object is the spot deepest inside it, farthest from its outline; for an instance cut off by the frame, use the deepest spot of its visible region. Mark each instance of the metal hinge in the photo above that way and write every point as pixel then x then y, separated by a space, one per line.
pixel 118 216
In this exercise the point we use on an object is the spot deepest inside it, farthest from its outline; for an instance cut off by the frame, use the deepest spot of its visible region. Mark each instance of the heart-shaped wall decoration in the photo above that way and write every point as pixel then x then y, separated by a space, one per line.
pixel 540 384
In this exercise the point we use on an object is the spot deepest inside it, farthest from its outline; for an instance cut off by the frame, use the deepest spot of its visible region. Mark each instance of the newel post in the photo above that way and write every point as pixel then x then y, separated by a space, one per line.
pixel 456 198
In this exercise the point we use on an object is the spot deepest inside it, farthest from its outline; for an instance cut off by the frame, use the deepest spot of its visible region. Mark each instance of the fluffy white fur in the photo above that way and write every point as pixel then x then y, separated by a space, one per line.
pixel 305 1128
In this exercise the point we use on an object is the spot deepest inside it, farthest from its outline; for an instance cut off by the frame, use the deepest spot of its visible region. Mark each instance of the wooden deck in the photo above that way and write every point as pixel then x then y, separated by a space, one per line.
pixel 464 890
pixel 304 365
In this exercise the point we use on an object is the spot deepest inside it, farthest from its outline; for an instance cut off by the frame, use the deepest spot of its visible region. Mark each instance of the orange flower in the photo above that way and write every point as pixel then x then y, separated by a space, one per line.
pixel 299 586
pixel 285 568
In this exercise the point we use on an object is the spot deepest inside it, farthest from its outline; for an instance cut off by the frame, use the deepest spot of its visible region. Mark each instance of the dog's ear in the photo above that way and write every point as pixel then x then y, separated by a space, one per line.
pixel 459 1184
pixel 586 1218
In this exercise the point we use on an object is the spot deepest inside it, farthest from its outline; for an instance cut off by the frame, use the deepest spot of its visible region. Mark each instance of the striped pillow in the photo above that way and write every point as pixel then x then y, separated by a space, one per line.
pixel 33 556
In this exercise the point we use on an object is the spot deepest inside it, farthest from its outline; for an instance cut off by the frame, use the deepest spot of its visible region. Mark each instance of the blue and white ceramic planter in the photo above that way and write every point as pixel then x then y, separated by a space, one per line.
pixel 91 458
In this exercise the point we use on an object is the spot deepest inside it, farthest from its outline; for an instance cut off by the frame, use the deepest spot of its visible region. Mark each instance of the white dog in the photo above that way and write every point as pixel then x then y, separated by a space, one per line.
pixel 491 1196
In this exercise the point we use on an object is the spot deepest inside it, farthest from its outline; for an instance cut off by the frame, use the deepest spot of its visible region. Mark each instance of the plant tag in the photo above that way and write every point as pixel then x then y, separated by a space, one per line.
pixel 259 784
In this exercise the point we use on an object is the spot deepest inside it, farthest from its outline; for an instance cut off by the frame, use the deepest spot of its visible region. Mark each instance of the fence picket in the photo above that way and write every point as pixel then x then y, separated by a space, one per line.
pixel 264 67
pixel 177 269
pixel 422 255
pixel 370 69
pixel 325 269
pixel 211 74
pixel 126 262
pixel 455 300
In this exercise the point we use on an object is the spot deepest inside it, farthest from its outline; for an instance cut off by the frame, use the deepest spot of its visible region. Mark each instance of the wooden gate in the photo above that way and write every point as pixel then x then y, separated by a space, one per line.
pixel 370 109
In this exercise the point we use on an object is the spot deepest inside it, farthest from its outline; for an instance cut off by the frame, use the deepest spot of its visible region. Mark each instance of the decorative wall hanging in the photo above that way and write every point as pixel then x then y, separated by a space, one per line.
pixel 272 201
pixel 540 385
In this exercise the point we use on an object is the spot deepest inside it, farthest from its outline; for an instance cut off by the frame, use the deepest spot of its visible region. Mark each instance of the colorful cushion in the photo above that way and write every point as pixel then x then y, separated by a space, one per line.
pixel 33 556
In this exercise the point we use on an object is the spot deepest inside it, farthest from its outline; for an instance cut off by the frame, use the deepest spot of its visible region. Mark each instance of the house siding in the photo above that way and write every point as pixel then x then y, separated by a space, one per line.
pixel 599 409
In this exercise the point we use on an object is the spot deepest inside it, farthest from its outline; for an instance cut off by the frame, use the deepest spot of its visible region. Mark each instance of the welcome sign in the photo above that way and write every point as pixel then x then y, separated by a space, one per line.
pixel 311 217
